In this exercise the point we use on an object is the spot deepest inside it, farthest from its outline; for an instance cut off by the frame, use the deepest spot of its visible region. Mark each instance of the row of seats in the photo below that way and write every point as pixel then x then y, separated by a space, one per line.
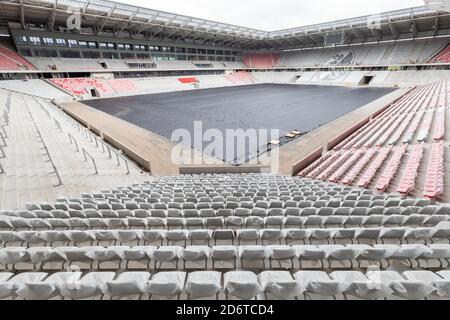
pixel 408 179
pixel 123 85
pixel 434 182
pixel 232 222
pixel 367 55
pixel 88 254
pixel 440 125
pixel 10 60
pixel 377 151
pixel 148 202
pixel 392 167
pixel 304 211
pixel 78 86
pixel 240 78
pixel 265 61
pixel 237 223
pixel 50 154
pixel 442 57
pixel 428 234
pixel 239 284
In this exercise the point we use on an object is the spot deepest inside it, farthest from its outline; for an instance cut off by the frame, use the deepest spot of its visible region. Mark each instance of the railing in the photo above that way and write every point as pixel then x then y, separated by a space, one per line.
pixel 86 155
pixel 3 134
pixel 116 153
pixel 93 138
pixel 98 143
pixel 55 170
pixel 72 139
pixel 58 125
pixel 25 93
pixel 43 108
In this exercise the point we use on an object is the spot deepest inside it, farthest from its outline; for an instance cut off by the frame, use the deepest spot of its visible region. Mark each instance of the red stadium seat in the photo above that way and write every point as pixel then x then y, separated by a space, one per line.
pixel 264 61
pixel 78 86
pixel 122 85
pixel 10 60
pixel 408 180
pixel 240 78
pixel 434 182
pixel 442 57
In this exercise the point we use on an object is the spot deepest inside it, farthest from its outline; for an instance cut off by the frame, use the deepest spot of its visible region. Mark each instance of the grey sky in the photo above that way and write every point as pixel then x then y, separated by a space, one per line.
pixel 270 15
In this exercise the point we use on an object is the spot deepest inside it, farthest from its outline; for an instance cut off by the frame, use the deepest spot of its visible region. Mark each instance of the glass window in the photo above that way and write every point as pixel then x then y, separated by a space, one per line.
pixel 92 44
pixel 60 42
pixel 72 43
pixel 120 46
pixel 35 40
pixel 48 41
pixel 21 40
pixel 139 47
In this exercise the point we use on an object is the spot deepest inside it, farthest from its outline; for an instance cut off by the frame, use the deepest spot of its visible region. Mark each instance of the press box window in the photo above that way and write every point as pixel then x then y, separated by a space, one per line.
pixel 35 40
pixel 60 42
pixel 21 40
pixel 72 43
pixel 48 41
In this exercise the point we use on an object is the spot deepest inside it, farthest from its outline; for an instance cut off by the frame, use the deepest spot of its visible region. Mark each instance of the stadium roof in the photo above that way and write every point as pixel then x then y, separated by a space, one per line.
pixel 102 15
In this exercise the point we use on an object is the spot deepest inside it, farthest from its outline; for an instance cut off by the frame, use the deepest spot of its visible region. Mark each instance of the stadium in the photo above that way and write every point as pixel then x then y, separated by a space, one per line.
pixel 148 155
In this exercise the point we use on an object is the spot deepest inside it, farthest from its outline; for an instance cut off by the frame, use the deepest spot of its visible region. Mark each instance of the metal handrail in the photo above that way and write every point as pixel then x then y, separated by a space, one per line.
pixel 98 142
pixel 58 124
pixel 71 138
pixel 55 170
pixel 4 136
pixel 25 93
pixel 86 154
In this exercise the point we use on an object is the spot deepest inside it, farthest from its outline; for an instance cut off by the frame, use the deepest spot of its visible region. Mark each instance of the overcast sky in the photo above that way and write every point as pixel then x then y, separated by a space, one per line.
pixel 270 15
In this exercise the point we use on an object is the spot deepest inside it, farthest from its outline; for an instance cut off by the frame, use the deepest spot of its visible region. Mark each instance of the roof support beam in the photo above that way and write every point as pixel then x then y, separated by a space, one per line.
pixel 414 29
pixel 376 33
pixel 436 25
pixel 394 30
pixel 359 35
pixel 22 14
pixel 110 12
